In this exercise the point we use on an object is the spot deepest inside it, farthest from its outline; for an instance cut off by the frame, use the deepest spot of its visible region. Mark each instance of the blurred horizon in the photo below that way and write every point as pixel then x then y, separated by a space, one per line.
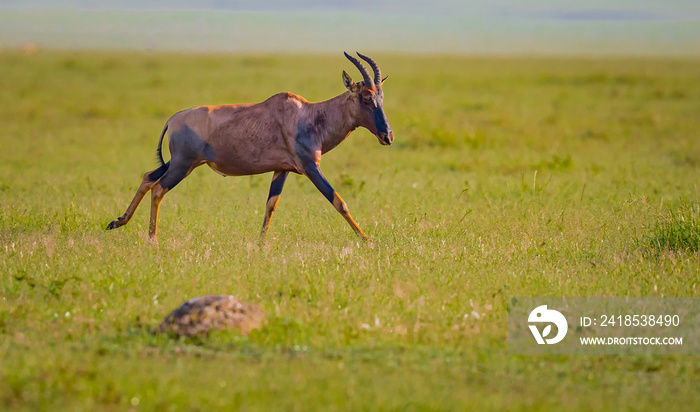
pixel 476 27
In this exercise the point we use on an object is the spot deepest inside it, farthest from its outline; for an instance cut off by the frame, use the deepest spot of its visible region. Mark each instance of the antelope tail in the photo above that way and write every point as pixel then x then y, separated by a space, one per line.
pixel 159 151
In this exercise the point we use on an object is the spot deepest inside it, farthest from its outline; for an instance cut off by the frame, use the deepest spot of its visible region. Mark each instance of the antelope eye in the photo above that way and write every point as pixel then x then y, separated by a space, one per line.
pixel 367 100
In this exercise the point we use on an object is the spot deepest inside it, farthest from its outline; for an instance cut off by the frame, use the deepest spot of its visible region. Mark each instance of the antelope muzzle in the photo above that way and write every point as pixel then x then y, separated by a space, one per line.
pixel 386 138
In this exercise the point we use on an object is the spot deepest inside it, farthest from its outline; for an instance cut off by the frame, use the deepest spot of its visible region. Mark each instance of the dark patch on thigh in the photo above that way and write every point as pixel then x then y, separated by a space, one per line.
pixel 158 173
pixel 173 176
pixel 187 147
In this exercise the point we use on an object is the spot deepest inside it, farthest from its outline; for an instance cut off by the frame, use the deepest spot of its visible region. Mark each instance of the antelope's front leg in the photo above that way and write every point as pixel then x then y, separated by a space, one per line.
pixel 313 172
pixel 278 179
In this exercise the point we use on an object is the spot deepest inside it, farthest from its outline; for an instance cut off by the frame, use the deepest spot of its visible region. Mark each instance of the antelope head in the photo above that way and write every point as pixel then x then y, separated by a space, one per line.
pixel 368 106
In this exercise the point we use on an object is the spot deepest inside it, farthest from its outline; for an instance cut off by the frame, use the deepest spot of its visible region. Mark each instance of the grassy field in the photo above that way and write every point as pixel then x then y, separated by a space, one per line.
pixel 508 177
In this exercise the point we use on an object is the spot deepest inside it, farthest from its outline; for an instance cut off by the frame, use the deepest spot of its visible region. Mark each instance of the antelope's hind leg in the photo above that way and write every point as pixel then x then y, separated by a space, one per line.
pixel 149 179
pixel 170 179
pixel 273 198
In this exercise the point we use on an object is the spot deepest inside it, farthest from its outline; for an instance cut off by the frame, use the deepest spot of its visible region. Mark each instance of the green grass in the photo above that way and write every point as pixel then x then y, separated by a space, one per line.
pixel 677 229
pixel 508 177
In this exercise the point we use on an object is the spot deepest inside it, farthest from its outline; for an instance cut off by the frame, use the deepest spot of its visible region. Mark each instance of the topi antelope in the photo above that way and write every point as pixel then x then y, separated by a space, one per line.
pixel 283 134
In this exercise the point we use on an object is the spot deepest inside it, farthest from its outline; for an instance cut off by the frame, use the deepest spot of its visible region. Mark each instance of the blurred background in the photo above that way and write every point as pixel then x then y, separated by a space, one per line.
pixel 484 27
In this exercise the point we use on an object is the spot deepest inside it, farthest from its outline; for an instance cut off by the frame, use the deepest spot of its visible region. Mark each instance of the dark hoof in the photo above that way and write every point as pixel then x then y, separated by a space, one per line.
pixel 114 224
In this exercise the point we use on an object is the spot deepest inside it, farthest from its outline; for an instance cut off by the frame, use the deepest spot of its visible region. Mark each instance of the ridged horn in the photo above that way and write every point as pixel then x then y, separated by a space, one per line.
pixel 375 68
pixel 361 68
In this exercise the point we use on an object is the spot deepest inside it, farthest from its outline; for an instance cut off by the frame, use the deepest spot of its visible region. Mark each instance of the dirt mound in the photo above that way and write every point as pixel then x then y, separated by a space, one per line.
pixel 198 316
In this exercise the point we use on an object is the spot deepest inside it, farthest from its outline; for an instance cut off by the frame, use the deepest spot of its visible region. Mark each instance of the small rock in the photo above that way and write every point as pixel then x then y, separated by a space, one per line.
pixel 198 316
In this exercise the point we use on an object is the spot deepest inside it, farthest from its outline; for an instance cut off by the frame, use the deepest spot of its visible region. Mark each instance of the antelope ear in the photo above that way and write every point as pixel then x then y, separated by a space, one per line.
pixel 348 83
pixel 384 79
